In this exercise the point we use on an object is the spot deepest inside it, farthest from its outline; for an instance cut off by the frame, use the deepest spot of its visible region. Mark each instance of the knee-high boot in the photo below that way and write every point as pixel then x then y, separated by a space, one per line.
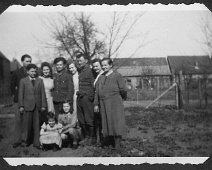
pixel 91 140
pixel 85 134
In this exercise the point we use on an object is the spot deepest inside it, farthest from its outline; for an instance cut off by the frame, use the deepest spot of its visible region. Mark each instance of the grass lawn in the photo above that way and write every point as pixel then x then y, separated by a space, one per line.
pixel 153 132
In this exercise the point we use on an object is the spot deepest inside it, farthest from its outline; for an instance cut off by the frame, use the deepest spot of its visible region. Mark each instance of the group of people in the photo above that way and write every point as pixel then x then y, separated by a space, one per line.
pixel 81 103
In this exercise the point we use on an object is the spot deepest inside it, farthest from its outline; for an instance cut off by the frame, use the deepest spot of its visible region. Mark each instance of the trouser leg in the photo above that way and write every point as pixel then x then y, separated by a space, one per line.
pixel 81 116
pixel 117 142
pixel 57 107
pixel 88 109
pixel 97 126
pixel 26 126
pixel 36 128
pixel 43 117
pixel 73 134
pixel 85 118
pixel 17 124
pixel 89 119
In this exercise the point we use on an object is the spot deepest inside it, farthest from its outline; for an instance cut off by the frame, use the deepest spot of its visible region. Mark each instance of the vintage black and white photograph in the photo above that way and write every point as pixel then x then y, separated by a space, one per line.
pixel 106 81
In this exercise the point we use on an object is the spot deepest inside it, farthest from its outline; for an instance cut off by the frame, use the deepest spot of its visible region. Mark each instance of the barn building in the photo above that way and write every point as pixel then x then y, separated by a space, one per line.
pixel 144 73
pixel 4 78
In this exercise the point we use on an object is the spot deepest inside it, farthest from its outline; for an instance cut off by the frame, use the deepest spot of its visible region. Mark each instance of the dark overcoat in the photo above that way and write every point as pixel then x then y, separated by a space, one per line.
pixel 15 81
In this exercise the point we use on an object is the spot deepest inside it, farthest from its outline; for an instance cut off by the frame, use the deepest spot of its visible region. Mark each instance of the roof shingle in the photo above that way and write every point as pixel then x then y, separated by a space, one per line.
pixel 190 64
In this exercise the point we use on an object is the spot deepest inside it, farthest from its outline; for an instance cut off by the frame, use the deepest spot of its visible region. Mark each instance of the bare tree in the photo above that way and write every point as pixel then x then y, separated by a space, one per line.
pixel 78 34
pixel 206 28
pixel 74 34
pixel 121 30
pixel 43 56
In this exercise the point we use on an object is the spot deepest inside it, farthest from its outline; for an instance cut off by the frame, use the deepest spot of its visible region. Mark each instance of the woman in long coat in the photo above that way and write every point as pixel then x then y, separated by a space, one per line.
pixel 109 96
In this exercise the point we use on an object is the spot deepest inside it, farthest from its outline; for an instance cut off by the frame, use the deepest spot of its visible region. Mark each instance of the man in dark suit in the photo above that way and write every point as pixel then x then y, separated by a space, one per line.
pixel 63 85
pixel 31 101
pixel 14 87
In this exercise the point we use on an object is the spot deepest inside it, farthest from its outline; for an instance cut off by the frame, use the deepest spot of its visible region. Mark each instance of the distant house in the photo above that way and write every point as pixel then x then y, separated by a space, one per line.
pixel 143 72
pixel 14 65
pixel 4 68
pixel 4 78
pixel 193 66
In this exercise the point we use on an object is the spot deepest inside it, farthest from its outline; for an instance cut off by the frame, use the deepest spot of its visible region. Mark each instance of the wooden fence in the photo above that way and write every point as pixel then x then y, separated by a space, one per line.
pixel 185 91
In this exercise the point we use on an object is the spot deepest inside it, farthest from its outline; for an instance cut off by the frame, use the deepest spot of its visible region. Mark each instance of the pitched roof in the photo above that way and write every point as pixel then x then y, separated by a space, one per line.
pixel 14 65
pixel 133 71
pixel 117 62
pixel 141 66
pixel 190 64
pixel 3 56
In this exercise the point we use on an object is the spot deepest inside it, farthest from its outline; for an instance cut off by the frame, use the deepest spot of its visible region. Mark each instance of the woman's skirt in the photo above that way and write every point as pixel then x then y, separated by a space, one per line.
pixel 53 138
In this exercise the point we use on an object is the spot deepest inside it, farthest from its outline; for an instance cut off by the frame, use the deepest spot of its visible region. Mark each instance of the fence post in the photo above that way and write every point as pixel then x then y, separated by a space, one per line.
pixel 188 94
pixel 177 91
pixel 158 88
pixel 173 77
pixel 206 92
pixel 180 97
pixel 177 96
pixel 200 92
pixel 137 95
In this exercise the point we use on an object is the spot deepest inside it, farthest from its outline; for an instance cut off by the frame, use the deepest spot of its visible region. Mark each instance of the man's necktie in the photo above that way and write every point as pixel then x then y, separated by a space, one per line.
pixel 33 82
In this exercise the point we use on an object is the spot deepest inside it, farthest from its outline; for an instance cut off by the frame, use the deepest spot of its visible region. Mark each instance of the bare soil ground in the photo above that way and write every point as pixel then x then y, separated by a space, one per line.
pixel 152 132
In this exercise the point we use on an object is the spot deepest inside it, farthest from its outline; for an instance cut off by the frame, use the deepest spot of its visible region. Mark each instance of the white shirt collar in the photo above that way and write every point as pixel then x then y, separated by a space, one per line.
pixel 31 78
pixel 101 72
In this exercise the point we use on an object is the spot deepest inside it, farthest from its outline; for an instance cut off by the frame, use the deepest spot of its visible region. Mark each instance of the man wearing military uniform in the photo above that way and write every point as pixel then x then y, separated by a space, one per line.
pixel 85 98
pixel 63 85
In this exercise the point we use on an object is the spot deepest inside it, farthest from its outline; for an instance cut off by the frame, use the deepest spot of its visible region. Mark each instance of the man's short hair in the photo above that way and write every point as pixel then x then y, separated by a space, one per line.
pixel 25 56
pixel 31 66
pixel 96 60
pixel 109 60
pixel 58 59
pixel 82 55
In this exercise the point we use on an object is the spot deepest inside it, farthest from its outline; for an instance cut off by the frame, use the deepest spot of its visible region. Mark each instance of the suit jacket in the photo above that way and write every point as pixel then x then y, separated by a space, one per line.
pixel 15 81
pixel 30 96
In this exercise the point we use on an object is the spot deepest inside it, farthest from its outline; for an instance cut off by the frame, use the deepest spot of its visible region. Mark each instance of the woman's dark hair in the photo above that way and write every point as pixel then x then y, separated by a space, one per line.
pixel 46 64
pixel 51 115
pixel 71 107
pixel 109 61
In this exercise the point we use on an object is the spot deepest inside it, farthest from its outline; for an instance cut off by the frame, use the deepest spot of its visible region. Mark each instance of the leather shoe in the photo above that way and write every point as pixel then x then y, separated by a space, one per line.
pixel 91 142
pixel 15 145
pixel 55 149
pixel 84 141
pixel 37 147
pixel 23 144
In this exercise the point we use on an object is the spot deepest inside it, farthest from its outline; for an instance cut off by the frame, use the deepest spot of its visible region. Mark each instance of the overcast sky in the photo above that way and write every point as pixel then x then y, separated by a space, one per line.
pixel 172 30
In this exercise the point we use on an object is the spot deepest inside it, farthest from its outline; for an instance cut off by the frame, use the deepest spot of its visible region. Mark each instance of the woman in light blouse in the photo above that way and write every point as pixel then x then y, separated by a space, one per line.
pixel 72 69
